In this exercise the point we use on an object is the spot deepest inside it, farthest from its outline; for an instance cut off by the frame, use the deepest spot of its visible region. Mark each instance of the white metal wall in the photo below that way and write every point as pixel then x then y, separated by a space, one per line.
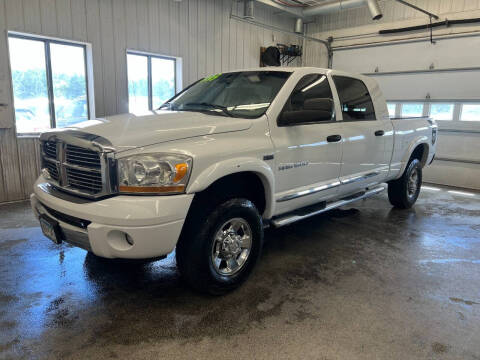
pixel 199 31
pixel 356 43
pixel 457 140
pixel 394 11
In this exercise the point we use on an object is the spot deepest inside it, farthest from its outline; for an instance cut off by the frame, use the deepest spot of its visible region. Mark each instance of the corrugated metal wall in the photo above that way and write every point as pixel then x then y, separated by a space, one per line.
pixel 393 11
pixel 199 31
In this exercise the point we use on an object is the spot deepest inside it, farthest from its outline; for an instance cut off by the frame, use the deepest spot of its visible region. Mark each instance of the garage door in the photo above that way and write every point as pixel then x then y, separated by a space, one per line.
pixel 440 80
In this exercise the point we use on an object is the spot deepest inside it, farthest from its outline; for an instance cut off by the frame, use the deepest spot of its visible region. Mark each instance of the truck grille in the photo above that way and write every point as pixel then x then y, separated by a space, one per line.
pixel 52 169
pixel 50 149
pixel 74 168
pixel 85 180
pixel 83 157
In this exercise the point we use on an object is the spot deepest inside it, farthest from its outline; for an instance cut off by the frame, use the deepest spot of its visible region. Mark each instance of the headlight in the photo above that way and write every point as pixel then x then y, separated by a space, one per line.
pixel 154 173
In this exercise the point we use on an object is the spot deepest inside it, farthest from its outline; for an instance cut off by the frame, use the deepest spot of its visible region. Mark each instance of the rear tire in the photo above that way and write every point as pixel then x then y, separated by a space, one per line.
pixel 218 250
pixel 403 192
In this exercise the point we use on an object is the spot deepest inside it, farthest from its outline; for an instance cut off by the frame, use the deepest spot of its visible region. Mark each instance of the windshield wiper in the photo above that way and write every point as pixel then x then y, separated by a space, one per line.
pixel 211 106
pixel 167 106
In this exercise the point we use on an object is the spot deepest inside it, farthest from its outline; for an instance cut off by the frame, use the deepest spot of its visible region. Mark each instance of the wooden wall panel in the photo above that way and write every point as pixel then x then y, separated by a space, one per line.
pixel 199 31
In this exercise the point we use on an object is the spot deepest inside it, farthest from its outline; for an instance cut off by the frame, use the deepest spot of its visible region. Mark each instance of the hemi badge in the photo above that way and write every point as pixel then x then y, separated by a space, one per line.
pixel 268 157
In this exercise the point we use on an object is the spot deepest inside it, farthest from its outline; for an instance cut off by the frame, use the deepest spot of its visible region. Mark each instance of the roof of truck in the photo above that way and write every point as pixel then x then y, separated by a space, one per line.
pixel 306 69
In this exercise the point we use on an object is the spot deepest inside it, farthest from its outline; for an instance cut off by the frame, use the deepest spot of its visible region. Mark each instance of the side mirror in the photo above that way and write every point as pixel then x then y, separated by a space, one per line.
pixel 314 110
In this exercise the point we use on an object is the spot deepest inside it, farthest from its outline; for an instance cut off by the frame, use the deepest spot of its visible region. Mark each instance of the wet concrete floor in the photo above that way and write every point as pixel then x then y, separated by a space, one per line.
pixel 364 282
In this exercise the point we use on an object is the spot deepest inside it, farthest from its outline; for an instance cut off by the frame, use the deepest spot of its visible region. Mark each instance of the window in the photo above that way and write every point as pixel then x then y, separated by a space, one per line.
pixel 412 110
pixel 470 112
pixel 49 83
pixel 151 81
pixel 311 101
pixel 441 111
pixel 355 100
pixel 392 108
pixel 245 94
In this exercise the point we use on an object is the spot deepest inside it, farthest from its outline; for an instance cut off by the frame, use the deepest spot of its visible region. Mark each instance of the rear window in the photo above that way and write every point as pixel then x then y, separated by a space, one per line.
pixel 355 99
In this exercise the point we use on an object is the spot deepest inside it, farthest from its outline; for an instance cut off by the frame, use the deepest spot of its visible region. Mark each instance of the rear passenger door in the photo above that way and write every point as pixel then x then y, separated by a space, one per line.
pixel 365 160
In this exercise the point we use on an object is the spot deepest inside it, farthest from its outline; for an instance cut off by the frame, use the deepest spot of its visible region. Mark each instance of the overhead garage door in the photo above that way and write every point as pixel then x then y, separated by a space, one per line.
pixel 440 80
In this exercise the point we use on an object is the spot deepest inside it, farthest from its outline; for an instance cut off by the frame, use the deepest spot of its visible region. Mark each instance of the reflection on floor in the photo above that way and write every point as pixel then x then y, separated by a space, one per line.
pixel 363 282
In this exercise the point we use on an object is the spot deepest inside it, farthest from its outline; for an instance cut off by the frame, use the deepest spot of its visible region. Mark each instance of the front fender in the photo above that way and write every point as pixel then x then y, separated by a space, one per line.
pixel 232 166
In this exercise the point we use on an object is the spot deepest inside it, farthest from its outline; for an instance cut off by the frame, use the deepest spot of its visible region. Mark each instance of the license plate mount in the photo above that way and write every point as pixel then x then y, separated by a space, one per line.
pixel 50 228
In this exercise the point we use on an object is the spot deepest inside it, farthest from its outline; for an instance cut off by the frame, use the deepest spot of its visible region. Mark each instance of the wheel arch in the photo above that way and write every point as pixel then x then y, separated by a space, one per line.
pixel 235 172
pixel 418 149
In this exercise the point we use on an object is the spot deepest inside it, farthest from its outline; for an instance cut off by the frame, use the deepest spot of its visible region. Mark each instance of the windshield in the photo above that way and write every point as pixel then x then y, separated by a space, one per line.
pixel 240 94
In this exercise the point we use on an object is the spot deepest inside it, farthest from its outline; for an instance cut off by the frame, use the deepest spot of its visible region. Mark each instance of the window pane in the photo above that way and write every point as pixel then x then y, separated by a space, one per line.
pixel 238 94
pixel 137 71
pixel 470 112
pixel 69 84
pixel 391 109
pixel 163 81
pixel 441 111
pixel 354 98
pixel 311 101
pixel 27 59
pixel 412 110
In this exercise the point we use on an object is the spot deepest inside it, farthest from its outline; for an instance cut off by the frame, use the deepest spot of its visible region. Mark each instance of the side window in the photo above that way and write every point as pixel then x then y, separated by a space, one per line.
pixel 355 100
pixel 311 101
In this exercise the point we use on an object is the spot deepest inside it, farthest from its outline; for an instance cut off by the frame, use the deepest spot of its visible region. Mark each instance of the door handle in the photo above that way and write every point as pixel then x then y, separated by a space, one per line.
pixel 334 138
pixel 379 133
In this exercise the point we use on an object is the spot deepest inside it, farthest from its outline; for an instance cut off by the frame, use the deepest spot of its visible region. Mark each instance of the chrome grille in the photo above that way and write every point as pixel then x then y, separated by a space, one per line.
pixel 76 169
pixel 50 149
pixel 82 157
pixel 90 181
pixel 52 169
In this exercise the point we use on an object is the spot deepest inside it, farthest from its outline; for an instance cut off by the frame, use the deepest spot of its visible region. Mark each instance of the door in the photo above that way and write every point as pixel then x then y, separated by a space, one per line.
pixel 308 147
pixel 366 156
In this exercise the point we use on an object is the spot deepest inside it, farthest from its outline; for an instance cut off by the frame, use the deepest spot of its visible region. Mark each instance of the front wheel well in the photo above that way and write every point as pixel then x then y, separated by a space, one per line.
pixel 246 185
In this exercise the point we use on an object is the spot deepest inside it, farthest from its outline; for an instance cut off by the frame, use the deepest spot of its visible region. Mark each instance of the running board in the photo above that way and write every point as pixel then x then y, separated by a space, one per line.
pixel 310 211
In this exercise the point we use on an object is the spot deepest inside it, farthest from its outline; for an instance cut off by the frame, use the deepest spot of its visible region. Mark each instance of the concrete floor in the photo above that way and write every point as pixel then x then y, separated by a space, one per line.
pixel 360 283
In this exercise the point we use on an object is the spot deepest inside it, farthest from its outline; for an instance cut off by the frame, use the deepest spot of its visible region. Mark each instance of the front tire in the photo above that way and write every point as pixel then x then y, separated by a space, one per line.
pixel 403 192
pixel 218 251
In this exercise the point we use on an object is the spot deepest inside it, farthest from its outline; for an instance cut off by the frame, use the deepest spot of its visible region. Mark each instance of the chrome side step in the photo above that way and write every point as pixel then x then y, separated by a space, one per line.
pixel 301 214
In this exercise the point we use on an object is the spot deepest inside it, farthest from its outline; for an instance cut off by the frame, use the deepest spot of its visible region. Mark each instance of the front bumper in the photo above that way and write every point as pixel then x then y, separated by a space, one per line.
pixel 152 223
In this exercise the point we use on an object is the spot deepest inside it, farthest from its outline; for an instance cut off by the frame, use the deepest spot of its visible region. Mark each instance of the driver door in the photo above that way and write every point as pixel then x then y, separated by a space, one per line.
pixel 308 146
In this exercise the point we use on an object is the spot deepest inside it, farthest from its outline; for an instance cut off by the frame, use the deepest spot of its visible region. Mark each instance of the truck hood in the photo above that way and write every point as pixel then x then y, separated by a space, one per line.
pixel 129 131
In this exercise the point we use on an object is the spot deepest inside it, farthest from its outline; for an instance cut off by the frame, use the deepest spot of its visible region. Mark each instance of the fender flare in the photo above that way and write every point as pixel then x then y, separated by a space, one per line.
pixel 422 140
pixel 223 168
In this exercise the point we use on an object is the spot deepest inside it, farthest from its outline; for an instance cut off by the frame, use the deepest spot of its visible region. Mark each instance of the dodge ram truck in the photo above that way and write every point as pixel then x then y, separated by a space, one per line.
pixel 231 155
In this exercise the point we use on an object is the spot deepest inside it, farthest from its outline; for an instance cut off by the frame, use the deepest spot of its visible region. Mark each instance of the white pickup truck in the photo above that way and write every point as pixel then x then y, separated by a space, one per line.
pixel 229 156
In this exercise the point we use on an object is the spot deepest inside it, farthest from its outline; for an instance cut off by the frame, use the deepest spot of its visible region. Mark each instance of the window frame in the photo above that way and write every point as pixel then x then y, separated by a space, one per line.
pixel 460 112
pixel 340 101
pixel 425 108
pixel 88 66
pixel 455 124
pixel 334 112
pixel 177 73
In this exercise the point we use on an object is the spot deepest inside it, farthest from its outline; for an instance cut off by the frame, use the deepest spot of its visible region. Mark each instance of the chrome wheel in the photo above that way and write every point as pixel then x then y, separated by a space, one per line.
pixel 231 246
pixel 413 183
